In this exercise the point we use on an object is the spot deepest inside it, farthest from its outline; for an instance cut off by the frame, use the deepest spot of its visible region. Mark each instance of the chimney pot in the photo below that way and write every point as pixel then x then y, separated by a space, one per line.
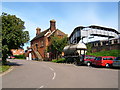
pixel 38 30
pixel 52 25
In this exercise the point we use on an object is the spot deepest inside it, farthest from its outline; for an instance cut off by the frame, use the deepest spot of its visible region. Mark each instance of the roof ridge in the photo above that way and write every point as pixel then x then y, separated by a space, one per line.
pixel 41 34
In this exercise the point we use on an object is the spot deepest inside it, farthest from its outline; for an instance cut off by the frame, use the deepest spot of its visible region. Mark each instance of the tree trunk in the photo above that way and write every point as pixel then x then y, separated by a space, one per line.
pixel 4 57
pixel 4 61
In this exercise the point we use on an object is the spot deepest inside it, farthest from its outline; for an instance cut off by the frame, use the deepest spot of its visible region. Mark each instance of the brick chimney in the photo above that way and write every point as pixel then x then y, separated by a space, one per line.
pixel 52 25
pixel 38 31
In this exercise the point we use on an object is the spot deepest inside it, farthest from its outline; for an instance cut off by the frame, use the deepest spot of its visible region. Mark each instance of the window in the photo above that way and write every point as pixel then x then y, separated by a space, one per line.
pixel 107 58
pixel 118 58
pixel 36 46
pixel 98 58
pixel 110 42
pixel 115 41
pixel 86 57
pixel 41 44
pixel 78 33
pixel 92 57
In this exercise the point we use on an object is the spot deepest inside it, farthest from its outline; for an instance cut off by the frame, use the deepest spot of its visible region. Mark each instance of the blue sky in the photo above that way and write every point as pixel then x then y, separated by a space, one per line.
pixel 68 15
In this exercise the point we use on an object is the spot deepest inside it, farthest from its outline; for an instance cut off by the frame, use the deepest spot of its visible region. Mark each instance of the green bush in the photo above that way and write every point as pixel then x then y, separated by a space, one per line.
pixel 19 56
pixel 114 53
pixel 61 60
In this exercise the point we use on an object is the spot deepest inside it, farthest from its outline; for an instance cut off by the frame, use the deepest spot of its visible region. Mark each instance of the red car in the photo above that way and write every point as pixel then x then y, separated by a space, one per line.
pixel 11 57
pixel 88 59
pixel 106 61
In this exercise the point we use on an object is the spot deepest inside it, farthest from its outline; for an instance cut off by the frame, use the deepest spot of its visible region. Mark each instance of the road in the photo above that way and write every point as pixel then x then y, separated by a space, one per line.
pixel 34 74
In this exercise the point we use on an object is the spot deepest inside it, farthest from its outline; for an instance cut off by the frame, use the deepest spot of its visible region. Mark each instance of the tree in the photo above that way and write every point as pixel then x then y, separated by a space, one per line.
pixel 57 46
pixel 89 48
pixel 13 34
pixel 0 39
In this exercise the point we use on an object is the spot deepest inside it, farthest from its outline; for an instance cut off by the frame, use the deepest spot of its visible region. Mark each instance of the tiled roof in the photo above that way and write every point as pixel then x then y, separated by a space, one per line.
pixel 44 32
pixel 40 35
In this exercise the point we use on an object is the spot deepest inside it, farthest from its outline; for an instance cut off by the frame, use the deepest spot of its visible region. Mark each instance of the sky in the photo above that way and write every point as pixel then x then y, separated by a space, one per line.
pixel 68 15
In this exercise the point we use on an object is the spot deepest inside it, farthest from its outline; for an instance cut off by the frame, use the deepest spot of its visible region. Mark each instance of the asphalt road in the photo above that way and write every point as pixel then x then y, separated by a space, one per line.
pixel 34 74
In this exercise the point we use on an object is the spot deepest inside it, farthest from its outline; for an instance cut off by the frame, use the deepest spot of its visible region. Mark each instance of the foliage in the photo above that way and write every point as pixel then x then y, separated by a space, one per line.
pixel 13 34
pixel 0 38
pixel 89 48
pixel 61 60
pixel 19 56
pixel 57 45
pixel 115 53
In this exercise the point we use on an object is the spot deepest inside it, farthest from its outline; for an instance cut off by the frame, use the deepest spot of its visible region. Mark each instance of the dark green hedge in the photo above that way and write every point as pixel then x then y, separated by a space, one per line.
pixel 61 60
pixel 19 56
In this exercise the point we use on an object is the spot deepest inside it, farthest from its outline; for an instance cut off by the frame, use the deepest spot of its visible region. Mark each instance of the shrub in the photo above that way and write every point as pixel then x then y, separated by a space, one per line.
pixel 61 60
pixel 19 56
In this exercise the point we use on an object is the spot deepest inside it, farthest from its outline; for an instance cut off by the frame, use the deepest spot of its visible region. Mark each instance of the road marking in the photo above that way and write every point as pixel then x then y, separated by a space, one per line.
pixel 40 87
pixel 51 69
pixel 54 76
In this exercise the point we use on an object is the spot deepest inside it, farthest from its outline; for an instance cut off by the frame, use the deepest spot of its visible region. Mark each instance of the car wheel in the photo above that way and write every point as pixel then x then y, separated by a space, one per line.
pixel 88 63
pixel 107 65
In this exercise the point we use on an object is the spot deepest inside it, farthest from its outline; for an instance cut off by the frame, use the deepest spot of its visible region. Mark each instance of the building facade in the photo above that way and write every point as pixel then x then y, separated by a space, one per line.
pixel 105 45
pixel 42 40
pixel 17 51
pixel 111 42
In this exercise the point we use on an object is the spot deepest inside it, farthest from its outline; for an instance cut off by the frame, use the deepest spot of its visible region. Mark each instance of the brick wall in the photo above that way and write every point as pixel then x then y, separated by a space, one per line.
pixel 106 47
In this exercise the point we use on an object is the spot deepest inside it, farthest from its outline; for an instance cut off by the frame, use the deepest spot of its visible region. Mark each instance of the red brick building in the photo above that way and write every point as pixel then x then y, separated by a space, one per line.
pixel 17 51
pixel 42 40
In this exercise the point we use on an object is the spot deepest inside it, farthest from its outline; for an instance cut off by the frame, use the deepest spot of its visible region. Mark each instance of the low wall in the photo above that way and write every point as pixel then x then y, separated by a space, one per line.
pixel 106 47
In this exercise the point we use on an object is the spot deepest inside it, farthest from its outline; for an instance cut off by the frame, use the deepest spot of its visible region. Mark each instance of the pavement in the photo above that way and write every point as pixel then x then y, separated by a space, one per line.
pixel 35 74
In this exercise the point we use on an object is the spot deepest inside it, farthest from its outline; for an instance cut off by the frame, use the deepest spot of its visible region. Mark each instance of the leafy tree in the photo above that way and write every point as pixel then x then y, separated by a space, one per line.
pixel 13 34
pixel 89 48
pixel 57 46
pixel 0 39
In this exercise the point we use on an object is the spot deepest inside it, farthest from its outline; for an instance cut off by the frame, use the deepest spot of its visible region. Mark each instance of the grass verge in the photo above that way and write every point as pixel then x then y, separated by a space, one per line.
pixel 4 68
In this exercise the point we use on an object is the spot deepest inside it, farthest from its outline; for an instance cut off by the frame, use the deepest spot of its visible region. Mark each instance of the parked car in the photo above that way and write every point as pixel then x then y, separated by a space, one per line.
pixel 11 57
pixel 106 61
pixel 89 59
pixel 116 62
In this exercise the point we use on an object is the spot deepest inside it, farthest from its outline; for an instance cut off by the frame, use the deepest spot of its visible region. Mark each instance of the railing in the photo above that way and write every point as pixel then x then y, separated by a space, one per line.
pixel 37 54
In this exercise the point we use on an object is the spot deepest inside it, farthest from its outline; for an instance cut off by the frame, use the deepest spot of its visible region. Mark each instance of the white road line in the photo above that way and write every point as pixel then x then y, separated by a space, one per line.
pixel 54 73
pixel 54 76
pixel 40 87
pixel 51 69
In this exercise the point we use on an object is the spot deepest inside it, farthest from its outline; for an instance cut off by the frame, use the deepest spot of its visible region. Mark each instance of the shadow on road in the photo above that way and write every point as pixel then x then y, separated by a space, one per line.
pixel 14 64
pixel 117 68
pixel 101 67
